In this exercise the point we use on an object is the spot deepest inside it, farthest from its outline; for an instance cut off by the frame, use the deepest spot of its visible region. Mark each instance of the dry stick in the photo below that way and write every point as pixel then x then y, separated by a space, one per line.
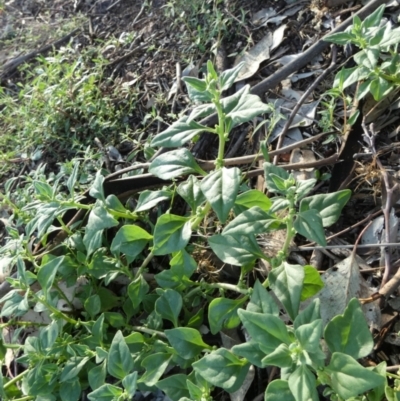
pixel 306 94
pixel 234 161
pixel 370 136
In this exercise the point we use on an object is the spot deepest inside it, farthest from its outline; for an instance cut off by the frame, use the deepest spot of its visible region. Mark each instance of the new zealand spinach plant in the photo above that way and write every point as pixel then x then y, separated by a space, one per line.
pixel 152 333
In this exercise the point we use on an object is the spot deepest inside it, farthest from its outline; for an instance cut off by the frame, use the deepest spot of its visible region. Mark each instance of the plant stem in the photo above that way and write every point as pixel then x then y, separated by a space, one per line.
pixel 149 331
pixel 16 379
pixel 148 259
pixel 230 287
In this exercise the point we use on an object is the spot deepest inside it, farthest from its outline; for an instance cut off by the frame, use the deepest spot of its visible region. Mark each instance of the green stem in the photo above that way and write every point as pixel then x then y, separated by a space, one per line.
pixel 15 379
pixel 148 259
pixel 200 218
pixel 230 287
pixel 148 331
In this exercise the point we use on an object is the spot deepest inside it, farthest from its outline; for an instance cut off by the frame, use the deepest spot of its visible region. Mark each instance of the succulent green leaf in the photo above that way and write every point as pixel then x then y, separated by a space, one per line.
pixel 222 313
pixel 350 379
pixel 223 369
pixel 309 224
pixel 287 283
pixel 221 188
pixel 171 234
pixel 169 306
pixel 329 206
pixel 236 250
pixel 178 133
pixel 173 164
pixel 186 341
pixel 349 333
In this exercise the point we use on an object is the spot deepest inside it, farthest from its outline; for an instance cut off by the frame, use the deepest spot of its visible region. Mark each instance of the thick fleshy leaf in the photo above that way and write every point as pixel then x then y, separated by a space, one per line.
pixel 302 384
pixel 309 224
pixel 267 330
pixel 236 250
pixel 187 342
pixel 174 386
pixel 223 369
pixel 287 282
pixel 349 333
pixel 148 199
pixel 169 306
pixel 252 198
pixel 120 361
pixel 349 378
pixel 278 390
pixel 191 192
pixel 178 134
pixel 174 164
pixel 329 206
pixel 261 301
pixel 171 234
pixel 251 221
pixel 242 106
pixel 155 365
pixel 221 188
pixel 130 240
pixel 222 313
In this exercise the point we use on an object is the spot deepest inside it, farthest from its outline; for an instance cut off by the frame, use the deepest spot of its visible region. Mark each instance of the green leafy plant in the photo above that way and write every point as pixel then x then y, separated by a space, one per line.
pixel 109 343
pixel 377 61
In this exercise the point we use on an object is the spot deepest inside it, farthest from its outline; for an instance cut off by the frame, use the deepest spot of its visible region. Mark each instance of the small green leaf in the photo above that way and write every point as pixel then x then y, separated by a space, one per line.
pixel 268 331
pixel 221 188
pixel 340 38
pixel 129 383
pixel 252 198
pixel 287 283
pixel 269 170
pixel 302 384
pixel 73 178
pixel 309 224
pixel 137 290
pixel 309 314
pixel 251 221
pixel 130 240
pixel 196 83
pixel 72 367
pixel 149 199
pixel 236 250
pixel 281 357
pixel 261 301
pixel 112 202
pixel 223 369
pixel 309 335
pixel 97 376
pixel 71 390
pixel 349 333
pixel 278 390
pixel 312 282
pixel 48 272
pixel 228 77
pixel 107 392
pixel 178 133
pixel 251 351
pixel 173 164
pixel 222 313
pixel 304 187
pixel 242 106
pixel 169 306
pixel 191 192
pixel 97 190
pixel 380 87
pixel 329 206
pixel 174 386
pixel 373 19
pixel 171 234
pixel 155 366
pixel 349 378
pixel 187 342
pixel 119 362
